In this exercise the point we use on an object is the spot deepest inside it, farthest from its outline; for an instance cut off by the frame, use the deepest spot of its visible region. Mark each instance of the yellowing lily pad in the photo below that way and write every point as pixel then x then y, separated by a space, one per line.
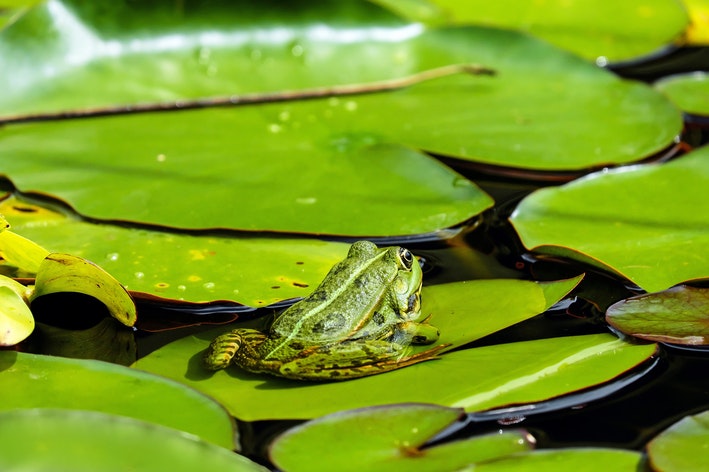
pixel 16 320
pixel 678 315
pixel 698 31
pixel 647 223
pixel 388 438
pixel 20 252
pixel 61 273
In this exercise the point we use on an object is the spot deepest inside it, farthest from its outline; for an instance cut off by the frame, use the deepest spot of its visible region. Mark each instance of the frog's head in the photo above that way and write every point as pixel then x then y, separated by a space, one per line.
pixel 407 284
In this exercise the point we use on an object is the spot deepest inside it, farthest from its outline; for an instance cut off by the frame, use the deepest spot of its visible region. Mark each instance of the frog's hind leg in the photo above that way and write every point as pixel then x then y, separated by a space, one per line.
pixel 353 359
pixel 223 349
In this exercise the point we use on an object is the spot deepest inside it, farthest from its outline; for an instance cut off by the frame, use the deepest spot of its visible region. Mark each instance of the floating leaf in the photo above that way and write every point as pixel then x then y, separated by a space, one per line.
pixel 678 315
pixel 610 219
pixel 449 380
pixel 690 92
pixel 50 439
pixel 380 175
pixel 55 382
pixel 469 310
pixel 20 252
pixel 562 460
pixel 516 373
pixel 698 30
pixel 16 320
pixel 155 168
pixel 682 446
pixel 387 438
pixel 108 341
pixel 608 30
pixel 66 273
pixel 255 271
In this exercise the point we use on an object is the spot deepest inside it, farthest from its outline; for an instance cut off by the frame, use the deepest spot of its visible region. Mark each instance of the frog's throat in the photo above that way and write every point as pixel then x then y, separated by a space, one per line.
pixel 316 310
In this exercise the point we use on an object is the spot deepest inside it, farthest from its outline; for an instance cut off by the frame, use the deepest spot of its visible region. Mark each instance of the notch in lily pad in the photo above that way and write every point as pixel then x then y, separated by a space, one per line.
pixel 679 315
pixel 389 437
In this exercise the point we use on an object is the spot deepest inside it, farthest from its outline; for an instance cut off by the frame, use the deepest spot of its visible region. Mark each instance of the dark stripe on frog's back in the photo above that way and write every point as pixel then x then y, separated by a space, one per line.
pixel 362 293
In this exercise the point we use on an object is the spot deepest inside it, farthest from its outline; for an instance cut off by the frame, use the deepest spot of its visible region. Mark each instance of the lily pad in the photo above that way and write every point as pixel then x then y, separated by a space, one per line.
pixel 388 438
pixel 697 33
pixel 450 380
pixel 608 30
pixel 53 439
pixel 612 220
pixel 19 251
pixel 255 271
pixel 679 315
pixel 690 92
pixel 475 379
pixel 682 446
pixel 55 382
pixel 158 168
pixel 562 460
pixel 16 320
pixel 108 341
pixel 61 273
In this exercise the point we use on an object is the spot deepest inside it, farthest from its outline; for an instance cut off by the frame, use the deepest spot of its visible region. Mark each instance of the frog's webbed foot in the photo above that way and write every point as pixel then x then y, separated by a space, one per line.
pixel 223 349
pixel 416 332
pixel 353 359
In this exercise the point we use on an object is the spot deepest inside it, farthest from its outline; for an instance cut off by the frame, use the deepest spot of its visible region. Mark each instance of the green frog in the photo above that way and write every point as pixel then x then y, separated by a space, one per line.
pixel 359 321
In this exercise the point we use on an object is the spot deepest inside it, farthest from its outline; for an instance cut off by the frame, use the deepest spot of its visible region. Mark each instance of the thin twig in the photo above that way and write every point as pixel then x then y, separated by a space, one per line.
pixel 254 98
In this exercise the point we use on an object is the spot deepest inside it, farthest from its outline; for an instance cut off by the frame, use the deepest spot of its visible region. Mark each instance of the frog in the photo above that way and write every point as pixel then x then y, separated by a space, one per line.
pixel 361 320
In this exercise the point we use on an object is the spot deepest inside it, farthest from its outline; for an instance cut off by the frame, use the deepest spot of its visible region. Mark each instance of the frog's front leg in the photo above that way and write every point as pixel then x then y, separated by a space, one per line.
pixel 415 332
pixel 353 359
pixel 237 344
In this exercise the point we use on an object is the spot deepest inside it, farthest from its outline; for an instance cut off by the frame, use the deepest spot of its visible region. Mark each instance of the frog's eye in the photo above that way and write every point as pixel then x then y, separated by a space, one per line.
pixel 406 258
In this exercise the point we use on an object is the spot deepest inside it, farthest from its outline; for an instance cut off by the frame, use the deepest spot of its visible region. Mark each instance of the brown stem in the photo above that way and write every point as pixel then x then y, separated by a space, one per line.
pixel 255 98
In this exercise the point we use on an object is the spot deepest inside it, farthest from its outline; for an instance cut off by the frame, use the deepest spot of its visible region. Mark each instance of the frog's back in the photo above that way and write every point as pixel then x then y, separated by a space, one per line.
pixel 345 301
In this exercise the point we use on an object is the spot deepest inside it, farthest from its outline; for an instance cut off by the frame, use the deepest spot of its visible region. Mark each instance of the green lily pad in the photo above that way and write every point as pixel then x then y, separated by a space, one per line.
pixel 682 446
pixel 679 315
pixel 450 380
pixel 53 439
pixel 55 382
pixel 690 92
pixel 647 223
pixel 562 460
pixel 148 170
pixel 255 271
pixel 608 30
pixel 475 379
pixel 16 320
pixel 387 438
